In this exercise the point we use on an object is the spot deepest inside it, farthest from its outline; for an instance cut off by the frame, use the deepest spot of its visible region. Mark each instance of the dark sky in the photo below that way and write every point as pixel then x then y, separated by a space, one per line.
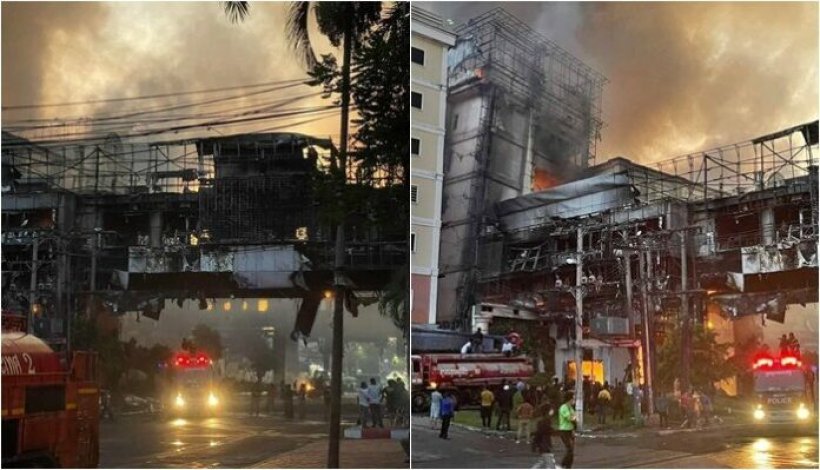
pixel 682 76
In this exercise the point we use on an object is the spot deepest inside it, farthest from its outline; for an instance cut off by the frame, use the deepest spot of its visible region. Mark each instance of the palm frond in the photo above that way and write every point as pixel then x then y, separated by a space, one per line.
pixel 236 11
pixel 298 35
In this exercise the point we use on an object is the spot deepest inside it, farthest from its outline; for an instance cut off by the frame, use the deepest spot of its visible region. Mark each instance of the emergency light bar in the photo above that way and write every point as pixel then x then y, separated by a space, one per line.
pixel 763 362
pixel 190 360
pixel 790 361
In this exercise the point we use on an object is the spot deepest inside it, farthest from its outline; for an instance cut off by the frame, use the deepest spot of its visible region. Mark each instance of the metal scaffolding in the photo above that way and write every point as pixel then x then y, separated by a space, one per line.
pixel 565 92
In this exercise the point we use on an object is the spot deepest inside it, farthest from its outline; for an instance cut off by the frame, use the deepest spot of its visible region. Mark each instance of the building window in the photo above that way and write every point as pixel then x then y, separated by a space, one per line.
pixel 414 193
pixel 415 146
pixel 417 55
pixel 415 99
pixel 412 242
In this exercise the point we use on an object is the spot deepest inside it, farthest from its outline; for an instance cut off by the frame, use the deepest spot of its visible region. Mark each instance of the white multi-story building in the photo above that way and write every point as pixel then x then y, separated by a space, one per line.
pixel 430 40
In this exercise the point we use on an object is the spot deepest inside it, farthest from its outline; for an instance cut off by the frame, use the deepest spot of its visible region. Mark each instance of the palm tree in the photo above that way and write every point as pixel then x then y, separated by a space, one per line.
pixel 345 24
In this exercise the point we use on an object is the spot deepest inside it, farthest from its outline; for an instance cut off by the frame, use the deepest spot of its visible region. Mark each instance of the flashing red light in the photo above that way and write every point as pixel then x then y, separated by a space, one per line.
pixel 790 361
pixel 191 360
pixel 763 362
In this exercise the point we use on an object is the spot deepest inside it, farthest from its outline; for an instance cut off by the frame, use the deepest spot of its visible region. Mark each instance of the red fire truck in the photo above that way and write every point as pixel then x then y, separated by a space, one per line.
pixel 784 390
pixel 50 411
pixel 464 374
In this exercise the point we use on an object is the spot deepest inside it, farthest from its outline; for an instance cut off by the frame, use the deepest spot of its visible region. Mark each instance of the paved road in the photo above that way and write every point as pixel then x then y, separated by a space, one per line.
pixel 233 440
pixel 730 447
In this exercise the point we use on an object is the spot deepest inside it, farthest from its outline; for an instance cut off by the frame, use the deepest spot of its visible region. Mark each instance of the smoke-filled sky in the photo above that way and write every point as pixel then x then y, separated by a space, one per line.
pixel 54 52
pixel 682 76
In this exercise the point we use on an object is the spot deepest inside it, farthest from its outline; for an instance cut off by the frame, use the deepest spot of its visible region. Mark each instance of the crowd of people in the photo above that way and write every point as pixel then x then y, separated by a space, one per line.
pixel 372 399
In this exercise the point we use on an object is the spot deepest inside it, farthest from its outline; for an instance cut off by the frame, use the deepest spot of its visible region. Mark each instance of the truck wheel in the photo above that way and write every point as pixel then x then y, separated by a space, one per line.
pixel 420 402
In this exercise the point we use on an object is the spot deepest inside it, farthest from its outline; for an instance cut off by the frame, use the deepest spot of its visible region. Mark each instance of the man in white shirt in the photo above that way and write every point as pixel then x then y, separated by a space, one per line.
pixel 468 346
pixel 507 348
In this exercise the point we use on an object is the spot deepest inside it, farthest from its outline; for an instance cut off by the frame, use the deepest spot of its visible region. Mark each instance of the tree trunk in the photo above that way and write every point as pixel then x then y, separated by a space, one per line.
pixel 338 306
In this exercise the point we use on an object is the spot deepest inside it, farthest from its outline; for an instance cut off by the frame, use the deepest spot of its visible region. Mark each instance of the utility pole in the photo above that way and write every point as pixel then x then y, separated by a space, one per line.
pixel 686 334
pixel 630 314
pixel 338 268
pixel 579 330
pixel 647 333
pixel 32 299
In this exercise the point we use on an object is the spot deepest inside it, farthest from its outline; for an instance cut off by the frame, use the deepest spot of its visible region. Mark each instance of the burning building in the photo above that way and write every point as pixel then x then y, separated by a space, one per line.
pixel 522 115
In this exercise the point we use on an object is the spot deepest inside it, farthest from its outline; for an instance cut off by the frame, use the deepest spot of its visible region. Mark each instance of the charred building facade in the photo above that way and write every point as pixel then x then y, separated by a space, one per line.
pixel 523 115
pixel 726 233
pixel 122 226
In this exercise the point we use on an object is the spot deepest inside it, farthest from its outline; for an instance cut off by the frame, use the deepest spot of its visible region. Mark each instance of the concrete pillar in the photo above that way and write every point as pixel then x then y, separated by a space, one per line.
pixel 156 229
pixel 291 359
pixel 606 354
pixel 767 228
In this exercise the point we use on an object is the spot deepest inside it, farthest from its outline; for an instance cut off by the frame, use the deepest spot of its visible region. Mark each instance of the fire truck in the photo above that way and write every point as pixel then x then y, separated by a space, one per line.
pixel 784 390
pixel 464 374
pixel 193 388
pixel 50 410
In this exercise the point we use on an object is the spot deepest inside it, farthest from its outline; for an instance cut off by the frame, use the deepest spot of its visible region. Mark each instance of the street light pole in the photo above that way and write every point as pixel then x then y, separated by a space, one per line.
pixel 579 330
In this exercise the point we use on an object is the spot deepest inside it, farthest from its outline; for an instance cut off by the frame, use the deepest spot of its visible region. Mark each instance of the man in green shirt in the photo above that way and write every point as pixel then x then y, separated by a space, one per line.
pixel 566 429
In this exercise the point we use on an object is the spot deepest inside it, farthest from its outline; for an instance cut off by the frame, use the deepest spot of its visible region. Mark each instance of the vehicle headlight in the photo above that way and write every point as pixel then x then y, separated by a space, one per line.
pixel 759 414
pixel 179 402
pixel 802 412
pixel 212 400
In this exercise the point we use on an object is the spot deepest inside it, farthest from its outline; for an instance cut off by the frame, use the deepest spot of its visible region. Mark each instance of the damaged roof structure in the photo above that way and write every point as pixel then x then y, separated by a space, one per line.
pixel 135 223
pixel 744 216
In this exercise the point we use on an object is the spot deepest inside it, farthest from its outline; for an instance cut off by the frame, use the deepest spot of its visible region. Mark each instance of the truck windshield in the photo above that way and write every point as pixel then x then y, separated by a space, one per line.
pixel 779 381
pixel 194 377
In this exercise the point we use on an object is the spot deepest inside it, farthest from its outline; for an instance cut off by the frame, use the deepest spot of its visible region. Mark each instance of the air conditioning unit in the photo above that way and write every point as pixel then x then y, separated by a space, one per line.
pixel 610 326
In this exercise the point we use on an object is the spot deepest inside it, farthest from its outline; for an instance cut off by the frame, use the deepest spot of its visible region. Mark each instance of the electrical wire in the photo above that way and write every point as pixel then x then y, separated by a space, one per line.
pixel 145 97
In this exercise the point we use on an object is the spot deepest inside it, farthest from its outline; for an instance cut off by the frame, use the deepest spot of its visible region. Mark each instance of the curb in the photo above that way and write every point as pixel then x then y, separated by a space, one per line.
pixel 375 433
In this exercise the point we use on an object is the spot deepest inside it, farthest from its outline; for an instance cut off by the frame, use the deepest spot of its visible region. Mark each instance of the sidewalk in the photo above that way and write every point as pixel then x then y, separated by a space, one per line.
pixel 596 431
pixel 355 453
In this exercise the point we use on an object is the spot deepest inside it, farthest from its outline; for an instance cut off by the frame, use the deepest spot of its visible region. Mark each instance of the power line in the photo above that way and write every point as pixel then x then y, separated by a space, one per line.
pixel 145 97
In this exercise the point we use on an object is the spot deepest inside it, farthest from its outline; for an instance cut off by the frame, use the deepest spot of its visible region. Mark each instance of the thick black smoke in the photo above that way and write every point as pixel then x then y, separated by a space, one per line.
pixel 683 76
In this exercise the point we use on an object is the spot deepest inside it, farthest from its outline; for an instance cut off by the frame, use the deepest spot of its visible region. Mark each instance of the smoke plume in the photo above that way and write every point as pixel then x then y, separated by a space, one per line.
pixel 77 51
pixel 683 76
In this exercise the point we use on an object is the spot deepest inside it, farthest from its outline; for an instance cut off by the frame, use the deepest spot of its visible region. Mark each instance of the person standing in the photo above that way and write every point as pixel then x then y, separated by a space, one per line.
pixel 603 401
pixel 487 399
pixel 542 440
pixel 566 429
pixel 448 406
pixel 435 408
pixel 287 396
pixel 256 393
pixel 505 404
pixel 523 413
pixel 301 401
pixel 326 401
pixel 663 410
pixel 477 340
pixel 374 392
pixel 363 397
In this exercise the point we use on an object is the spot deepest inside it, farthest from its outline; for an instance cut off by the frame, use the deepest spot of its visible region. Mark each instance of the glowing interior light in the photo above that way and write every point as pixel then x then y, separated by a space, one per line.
pixel 262 305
